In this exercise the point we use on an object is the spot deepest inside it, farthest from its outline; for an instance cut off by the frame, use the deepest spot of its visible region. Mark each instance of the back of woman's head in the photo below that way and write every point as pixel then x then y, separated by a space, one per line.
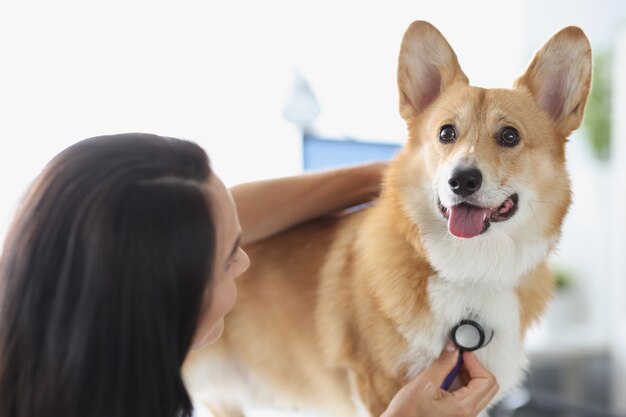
pixel 102 280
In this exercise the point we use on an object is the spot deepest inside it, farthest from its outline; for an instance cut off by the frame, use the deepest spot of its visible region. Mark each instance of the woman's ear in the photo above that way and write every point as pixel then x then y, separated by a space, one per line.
pixel 559 78
pixel 426 67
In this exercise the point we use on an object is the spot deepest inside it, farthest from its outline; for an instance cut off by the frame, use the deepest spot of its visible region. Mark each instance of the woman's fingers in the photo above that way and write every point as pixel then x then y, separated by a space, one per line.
pixel 482 386
pixel 443 365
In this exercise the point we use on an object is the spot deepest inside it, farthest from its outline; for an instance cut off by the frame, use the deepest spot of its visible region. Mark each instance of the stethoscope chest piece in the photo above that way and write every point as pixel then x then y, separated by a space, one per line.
pixel 468 335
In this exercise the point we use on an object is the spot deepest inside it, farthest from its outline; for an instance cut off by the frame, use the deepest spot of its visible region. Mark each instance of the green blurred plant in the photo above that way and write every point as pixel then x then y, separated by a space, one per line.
pixel 562 277
pixel 597 121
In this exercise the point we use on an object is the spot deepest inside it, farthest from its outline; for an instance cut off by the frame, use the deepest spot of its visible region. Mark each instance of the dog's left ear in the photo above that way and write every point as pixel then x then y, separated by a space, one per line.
pixel 559 78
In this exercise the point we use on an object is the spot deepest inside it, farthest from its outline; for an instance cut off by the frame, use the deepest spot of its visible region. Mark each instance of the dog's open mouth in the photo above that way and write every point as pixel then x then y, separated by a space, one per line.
pixel 466 220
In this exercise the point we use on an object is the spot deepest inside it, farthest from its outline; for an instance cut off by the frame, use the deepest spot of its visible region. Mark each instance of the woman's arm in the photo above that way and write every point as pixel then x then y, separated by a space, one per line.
pixel 271 206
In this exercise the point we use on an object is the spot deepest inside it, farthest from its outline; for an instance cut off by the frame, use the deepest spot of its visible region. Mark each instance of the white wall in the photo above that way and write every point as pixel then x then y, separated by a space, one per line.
pixel 349 49
pixel 597 18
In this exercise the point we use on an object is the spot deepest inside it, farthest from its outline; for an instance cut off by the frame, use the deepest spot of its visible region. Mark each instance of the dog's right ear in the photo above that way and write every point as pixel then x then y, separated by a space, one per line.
pixel 426 67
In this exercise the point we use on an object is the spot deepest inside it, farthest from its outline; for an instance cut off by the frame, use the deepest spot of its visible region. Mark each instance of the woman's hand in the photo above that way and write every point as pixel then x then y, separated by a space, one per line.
pixel 423 397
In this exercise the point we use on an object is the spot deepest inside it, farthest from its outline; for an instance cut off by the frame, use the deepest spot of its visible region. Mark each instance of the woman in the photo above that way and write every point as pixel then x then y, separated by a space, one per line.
pixel 123 257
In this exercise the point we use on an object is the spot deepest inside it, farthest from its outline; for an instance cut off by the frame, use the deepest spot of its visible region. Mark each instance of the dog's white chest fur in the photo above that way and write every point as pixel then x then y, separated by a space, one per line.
pixel 503 356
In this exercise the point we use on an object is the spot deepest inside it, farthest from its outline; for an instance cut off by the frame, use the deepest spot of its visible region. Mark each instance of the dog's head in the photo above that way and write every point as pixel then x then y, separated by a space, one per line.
pixel 483 174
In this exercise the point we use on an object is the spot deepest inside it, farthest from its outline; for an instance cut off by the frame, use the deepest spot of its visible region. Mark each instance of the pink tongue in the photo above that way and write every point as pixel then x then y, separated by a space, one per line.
pixel 467 221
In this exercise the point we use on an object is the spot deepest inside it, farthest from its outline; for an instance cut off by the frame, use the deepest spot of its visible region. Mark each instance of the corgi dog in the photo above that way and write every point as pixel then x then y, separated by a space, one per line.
pixel 336 315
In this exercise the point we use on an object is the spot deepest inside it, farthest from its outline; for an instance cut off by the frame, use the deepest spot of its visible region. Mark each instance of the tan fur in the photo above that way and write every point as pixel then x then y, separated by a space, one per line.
pixel 321 312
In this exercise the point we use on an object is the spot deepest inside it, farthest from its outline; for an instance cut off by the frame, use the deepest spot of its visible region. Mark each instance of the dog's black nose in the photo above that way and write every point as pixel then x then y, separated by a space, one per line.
pixel 465 181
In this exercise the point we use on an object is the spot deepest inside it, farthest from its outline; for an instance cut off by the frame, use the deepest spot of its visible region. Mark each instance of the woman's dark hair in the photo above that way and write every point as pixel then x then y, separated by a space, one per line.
pixel 103 278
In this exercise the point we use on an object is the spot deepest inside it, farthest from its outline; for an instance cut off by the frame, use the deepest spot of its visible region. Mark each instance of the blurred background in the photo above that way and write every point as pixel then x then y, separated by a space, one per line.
pixel 273 88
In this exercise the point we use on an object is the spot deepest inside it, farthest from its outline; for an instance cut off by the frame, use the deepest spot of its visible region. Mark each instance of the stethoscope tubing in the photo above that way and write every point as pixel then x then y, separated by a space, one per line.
pixel 455 371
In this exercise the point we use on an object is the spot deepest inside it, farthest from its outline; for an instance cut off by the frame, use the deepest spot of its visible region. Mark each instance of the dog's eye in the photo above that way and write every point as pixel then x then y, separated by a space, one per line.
pixel 508 136
pixel 447 134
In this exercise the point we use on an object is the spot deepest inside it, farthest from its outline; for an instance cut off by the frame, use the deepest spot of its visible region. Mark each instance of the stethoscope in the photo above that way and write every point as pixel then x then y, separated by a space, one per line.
pixel 468 336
